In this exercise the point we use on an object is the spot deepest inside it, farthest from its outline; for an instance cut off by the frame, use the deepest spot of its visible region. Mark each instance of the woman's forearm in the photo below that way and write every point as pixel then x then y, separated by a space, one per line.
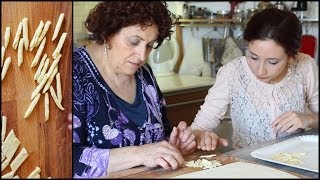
pixel 314 120
pixel 124 158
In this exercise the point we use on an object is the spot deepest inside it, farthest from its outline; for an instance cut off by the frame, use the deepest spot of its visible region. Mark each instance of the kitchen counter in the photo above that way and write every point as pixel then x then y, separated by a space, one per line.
pixel 178 82
pixel 226 158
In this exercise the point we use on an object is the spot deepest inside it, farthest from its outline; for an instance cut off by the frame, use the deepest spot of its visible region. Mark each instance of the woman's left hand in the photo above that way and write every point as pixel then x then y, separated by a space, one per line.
pixel 183 138
pixel 290 121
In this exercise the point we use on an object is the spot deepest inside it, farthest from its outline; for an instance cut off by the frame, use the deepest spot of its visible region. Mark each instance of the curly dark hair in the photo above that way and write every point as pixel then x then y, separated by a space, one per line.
pixel 109 17
pixel 282 26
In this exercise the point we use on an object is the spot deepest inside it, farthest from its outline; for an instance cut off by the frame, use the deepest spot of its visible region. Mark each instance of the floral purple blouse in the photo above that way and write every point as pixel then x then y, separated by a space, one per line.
pixel 99 124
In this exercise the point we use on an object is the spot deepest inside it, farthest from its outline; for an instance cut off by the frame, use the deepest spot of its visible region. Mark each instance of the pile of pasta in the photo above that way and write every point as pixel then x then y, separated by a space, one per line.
pixel 204 163
pixel 44 76
pixel 289 158
pixel 9 146
pixel 45 73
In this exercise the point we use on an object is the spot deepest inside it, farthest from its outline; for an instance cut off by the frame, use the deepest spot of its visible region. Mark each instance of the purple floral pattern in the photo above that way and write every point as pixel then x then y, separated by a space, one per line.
pixel 100 125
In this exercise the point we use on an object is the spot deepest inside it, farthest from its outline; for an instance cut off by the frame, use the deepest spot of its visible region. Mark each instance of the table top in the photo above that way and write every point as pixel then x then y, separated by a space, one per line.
pixel 179 82
pixel 226 158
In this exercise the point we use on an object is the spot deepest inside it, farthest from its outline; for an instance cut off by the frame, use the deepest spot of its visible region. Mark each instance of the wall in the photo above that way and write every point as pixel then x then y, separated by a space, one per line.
pixel 192 36
pixel 193 59
pixel 80 13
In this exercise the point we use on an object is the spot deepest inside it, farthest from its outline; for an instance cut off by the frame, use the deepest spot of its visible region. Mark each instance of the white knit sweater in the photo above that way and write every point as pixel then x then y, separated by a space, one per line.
pixel 254 104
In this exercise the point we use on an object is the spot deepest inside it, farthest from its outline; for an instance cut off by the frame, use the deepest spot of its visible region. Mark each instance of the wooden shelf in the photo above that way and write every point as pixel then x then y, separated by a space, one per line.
pixel 207 22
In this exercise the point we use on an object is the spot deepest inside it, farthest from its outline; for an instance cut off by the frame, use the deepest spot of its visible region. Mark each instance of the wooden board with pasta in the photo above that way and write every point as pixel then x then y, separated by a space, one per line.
pixel 48 142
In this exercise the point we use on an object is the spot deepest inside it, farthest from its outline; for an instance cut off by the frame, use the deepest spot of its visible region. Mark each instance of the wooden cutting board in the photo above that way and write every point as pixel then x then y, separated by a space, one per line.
pixel 49 144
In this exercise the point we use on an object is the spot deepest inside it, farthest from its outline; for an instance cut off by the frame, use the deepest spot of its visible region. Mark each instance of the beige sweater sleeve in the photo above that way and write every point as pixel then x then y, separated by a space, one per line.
pixel 312 85
pixel 216 102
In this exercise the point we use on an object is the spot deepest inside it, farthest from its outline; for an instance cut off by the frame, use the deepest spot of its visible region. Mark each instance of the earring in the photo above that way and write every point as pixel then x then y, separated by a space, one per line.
pixel 289 71
pixel 106 47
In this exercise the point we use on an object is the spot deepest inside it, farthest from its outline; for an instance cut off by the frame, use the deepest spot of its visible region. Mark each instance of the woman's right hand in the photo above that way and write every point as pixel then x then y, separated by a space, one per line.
pixel 208 141
pixel 161 154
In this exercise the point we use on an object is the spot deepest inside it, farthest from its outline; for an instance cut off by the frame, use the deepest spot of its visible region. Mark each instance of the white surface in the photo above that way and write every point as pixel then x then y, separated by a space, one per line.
pixel 181 82
pixel 239 170
pixel 302 144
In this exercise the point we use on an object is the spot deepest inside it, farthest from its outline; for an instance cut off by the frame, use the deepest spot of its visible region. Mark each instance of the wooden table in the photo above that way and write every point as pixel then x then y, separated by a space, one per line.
pixel 226 158
pixel 48 143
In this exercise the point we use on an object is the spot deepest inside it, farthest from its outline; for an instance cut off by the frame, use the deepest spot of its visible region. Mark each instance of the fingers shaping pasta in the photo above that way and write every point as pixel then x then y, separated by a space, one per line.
pixel 58 26
pixel 25 33
pixel 7 37
pixel 17 36
pixel 20 52
pixel 5 67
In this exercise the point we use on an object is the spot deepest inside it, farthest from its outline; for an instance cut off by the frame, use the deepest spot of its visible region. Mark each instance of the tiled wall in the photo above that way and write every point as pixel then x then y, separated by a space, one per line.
pixel 80 13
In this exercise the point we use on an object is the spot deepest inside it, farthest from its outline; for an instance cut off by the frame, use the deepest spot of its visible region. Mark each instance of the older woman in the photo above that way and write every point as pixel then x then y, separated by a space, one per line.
pixel 119 118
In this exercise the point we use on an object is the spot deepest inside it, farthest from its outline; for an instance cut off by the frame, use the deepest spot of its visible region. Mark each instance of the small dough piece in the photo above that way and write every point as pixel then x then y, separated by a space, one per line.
pixel 3 50
pixel 17 37
pixel 4 127
pixel 43 33
pixel 5 67
pixel 8 175
pixel 46 106
pixel 36 75
pixel 32 105
pixel 7 142
pixel 20 158
pixel 2 156
pixel 7 37
pixel 20 52
pixel 4 164
pixel 55 98
pixel 25 33
pixel 36 35
pixel 39 52
pixel 35 173
pixel 40 86
pixel 58 26
pixel 56 52
pixel 43 70
pixel 49 81
pixel 53 65
pixel 12 149
pixel 58 84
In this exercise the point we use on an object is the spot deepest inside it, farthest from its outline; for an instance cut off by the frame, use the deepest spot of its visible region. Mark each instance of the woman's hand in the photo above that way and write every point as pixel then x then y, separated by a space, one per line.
pixel 208 141
pixel 70 121
pixel 183 138
pixel 161 154
pixel 291 121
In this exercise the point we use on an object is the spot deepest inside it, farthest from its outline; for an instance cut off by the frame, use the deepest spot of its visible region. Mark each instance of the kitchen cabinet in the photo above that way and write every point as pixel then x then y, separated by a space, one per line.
pixel 183 105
